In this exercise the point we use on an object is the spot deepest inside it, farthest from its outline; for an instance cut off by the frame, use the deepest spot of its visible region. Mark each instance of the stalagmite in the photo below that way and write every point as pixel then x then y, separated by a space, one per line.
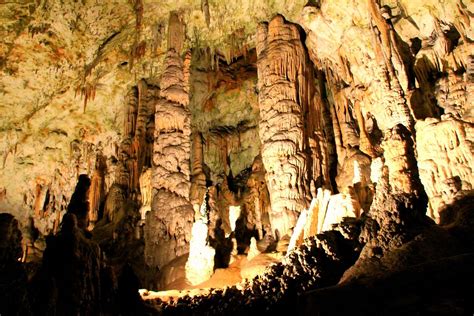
pixel 258 200
pixel 298 232
pixel 198 178
pixel 200 263
pixel 146 188
pixel 286 85
pixel 331 209
pixel 97 190
pixel 234 214
pixel 400 159
pixel 168 226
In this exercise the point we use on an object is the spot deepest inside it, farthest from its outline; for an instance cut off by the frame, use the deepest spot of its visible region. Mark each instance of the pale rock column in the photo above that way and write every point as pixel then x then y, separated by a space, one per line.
pixel 200 264
pixel 290 120
pixel 168 225
pixel 253 250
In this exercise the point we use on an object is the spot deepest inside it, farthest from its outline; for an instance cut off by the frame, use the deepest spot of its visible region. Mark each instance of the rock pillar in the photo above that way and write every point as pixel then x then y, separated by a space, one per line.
pixel 290 122
pixel 168 225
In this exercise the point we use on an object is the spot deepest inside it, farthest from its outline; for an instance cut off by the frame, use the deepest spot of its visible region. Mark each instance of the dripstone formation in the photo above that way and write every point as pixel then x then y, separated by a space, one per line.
pixel 212 157
pixel 168 225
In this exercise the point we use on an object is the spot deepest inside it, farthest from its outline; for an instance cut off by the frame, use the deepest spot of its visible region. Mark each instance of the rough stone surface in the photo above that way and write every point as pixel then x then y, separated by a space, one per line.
pixel 289 121
pixel 168 225
pixel 363 108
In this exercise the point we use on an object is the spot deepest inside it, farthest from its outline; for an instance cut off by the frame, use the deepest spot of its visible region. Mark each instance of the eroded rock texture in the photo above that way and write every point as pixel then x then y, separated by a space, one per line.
pixel 360 109
pixel 290 126
pixel 168 225
pixel 445 160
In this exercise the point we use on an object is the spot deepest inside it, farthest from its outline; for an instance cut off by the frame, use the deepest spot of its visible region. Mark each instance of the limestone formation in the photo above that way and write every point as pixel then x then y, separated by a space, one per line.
pixel 146 192
pixel 253 250
pixel 200 263
pixel 79 204
pixel 186 144
pixel 258 201
pixel 198 178
pixel 70 276
pixel 234 214
pixel 97 190
pixel 445 160
pixel 289 118
pixel 328 210
pixel 168 225
pixel 298 231
pixel 400 160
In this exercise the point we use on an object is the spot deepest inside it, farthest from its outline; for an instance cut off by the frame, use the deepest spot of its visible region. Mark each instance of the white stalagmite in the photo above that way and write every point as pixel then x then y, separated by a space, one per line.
pixel 253 251
pixel 298 232
pixel 146 191
pixel 234 214
pixel 200 264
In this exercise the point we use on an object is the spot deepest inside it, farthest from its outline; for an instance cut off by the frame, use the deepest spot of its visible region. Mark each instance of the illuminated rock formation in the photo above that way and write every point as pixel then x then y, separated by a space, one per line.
pixel 258 201
pixel 234 214
pixel 346 131
pixel 146 188
pixel 200 263
pixel 168 225
pixel 97 190
pixel 253 250
pixel 289 121
pixel 445 160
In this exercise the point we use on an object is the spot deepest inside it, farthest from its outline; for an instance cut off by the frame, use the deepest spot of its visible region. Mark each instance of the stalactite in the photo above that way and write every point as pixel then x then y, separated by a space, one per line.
pixel 41 192
pixel 131 117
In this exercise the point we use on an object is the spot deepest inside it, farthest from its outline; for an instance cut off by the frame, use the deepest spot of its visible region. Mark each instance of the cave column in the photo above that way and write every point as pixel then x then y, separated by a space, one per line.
pixel 290 122
pixel 168 225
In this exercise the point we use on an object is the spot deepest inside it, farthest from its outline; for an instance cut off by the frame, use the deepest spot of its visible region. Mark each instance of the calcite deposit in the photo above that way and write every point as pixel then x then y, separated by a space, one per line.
pixel 173 146
pixel 168 225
